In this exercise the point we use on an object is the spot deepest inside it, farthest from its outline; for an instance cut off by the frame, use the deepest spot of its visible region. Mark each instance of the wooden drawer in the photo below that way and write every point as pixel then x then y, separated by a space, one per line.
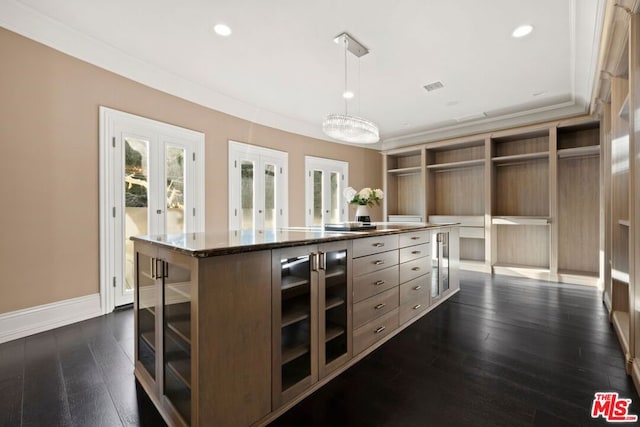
pixel 413 269
pixel 374 245
pixel 375 306
pixel 415 288
pixel 414 238
pixel 411 309
pixel 367 335
pixel 374 262
pixel 412 252
pixel 374 283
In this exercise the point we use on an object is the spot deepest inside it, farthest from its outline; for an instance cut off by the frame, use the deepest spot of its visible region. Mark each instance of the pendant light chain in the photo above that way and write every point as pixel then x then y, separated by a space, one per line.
pixel 346 101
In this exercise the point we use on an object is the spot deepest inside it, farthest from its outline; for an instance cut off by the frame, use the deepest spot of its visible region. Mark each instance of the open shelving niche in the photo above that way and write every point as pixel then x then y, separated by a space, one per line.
pixel 455 189
pixel 520 204
pixel 621 300
pixel 405 174
pixel 578 192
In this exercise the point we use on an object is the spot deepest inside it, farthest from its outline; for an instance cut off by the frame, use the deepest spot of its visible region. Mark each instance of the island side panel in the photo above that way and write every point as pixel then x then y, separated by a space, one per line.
pixel 234 348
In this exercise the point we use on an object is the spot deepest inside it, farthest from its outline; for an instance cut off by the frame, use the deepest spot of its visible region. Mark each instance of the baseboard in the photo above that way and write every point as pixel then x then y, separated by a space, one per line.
pixel 607 301
pixel 22 323
pixel 635 373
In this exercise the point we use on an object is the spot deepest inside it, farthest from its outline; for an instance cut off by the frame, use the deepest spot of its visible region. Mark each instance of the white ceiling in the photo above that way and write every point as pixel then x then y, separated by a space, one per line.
pixel 281 68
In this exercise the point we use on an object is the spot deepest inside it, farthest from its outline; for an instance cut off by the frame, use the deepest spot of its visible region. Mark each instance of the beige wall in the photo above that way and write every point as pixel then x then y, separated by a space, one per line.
pixel 49 246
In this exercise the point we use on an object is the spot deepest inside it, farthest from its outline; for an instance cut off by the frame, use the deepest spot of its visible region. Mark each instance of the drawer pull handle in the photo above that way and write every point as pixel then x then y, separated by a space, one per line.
pixel 379 306
pixel 380 329
pixel 378 262
pixel 417 288
pixel 378 245
pixel 415 268
pixel 417 306
pixel 415 252
pixel 415 238
pixel 378 282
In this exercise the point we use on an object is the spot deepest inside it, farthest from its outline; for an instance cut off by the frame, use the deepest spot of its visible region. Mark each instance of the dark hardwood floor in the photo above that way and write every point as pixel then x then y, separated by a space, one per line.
pixel 503 351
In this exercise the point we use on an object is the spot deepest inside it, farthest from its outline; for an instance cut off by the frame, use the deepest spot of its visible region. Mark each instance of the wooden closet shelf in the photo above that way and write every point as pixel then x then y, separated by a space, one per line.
pixel 589 150
pixel 456 165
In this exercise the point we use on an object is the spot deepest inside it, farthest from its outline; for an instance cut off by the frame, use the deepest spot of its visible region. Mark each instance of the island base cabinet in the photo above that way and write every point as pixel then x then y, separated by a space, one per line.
pixel 234 354
pixel 203 347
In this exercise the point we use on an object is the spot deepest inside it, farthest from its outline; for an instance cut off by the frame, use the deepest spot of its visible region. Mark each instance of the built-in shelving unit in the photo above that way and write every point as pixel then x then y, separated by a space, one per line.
pixel 404 172
pixel 527 199
pixel 455 193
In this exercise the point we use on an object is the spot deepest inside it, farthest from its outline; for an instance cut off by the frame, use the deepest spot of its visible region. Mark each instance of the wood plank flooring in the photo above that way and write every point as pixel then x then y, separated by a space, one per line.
pixel 503 351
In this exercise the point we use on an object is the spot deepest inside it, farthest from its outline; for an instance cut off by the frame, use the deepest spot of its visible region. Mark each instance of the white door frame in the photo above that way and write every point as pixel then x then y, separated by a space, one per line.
pixel 261 155
pixel 112 124
pixel 325 165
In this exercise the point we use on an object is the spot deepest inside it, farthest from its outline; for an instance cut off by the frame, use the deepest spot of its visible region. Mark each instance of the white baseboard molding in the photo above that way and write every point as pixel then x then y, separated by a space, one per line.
pixel 22 323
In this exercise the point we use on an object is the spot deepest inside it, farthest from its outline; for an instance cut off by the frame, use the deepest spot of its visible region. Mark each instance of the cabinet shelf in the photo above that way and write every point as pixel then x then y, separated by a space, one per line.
pixel 182 289
pixel 503 160
pixel 333 332
pixel 150 339
pixel 520 220
pixel 181 368
pixel 334 302
pixel 620 276
pixel 289 282
pixel 334 273
pixel 589 150
pixel 292 353
pixel 182 328
pixel 464 220
pixel 456 165
pixel 624 222
pixel 403 171
pixel 295 313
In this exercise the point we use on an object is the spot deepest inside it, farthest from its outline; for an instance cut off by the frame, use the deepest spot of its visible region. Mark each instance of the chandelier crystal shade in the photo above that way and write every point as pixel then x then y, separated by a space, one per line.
pixel 345 127
pixel 350 129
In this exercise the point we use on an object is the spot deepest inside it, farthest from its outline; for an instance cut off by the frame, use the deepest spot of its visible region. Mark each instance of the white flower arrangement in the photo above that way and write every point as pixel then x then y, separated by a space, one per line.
pixel 366 196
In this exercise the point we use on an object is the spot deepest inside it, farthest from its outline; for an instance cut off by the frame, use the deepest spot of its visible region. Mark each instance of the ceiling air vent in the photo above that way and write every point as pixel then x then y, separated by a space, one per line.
pixel 433 86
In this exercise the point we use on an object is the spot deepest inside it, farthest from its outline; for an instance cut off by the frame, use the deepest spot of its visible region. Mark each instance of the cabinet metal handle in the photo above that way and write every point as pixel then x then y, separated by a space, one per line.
pixel 415 252
pixel 378 262
pixel 378 245
pixel 152 267
pixel 323 261
pixel 417 288
pixel 415 238
pixel 380 329
pixel 415 307
pixel 378 282
pixel 415 268
pixel 379 306
pixel 314 262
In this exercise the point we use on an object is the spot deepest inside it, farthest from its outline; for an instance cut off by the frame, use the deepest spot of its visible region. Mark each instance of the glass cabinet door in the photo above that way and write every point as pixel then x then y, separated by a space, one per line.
pixel 439 264
pixel 295 336
pixel 177 288
pixel 334 314
pixel 147 299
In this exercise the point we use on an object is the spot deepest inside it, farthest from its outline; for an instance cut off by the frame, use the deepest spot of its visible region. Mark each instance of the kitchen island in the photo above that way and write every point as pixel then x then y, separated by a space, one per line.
pixel 235 327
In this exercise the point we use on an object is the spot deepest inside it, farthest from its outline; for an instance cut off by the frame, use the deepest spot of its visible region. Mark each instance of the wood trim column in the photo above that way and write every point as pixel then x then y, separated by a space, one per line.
pixel 634 188
pixel 490 244
pixel 553 203
pixel 605 204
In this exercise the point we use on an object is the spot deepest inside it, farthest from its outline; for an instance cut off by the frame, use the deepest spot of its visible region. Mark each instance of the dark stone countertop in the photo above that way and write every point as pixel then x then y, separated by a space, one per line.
pixel 225 242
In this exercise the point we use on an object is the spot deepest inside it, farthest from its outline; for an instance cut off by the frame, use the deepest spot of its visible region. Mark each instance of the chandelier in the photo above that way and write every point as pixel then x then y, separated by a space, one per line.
pixel 345 127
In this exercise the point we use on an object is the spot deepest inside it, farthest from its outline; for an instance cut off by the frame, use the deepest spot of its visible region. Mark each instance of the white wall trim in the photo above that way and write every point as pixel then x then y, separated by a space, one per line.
pixel 22 323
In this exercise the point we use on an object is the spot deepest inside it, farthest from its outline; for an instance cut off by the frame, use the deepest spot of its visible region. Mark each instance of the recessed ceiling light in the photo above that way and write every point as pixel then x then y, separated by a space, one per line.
pixel 522 31
pixel 222 30
pixel 347 94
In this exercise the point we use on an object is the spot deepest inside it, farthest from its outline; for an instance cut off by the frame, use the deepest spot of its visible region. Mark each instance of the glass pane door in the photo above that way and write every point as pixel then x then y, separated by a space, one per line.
pixel 334 197
pixel 335 293
pixel 270 204
pixel 147 298
pixel 318 196
pixel 174 187
pixel 136 202
pixel 247 191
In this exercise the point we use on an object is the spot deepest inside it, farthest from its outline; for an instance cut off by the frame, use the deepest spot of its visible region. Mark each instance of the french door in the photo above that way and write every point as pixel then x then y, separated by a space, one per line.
pixel 153 184
pixel 326 181
pixel 257 187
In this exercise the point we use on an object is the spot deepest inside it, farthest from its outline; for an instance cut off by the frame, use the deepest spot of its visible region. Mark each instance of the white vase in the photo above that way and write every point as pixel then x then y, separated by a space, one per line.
pixel 362 214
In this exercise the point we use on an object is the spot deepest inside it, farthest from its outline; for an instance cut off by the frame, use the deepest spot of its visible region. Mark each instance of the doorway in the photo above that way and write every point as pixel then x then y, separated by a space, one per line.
pixel 151 183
